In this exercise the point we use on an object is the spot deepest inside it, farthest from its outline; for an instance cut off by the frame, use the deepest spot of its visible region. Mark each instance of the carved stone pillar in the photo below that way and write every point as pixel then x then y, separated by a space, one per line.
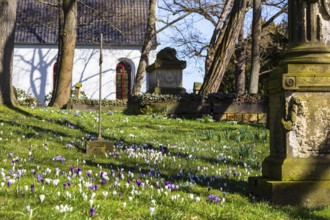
pixel 297 171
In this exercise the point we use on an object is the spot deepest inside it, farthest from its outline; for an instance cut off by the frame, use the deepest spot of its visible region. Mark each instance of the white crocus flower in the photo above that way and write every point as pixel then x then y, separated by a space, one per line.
pixel 91 202
pixel 105 194
pixel 93 195
pixel 47 180
pixel 152 210
pixel 56 182
pixel 84 196
pixel 42 198
pixel 63 208
pixel 68 194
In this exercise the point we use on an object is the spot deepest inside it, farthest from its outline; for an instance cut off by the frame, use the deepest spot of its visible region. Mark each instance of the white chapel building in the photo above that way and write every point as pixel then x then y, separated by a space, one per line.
pixel 123 24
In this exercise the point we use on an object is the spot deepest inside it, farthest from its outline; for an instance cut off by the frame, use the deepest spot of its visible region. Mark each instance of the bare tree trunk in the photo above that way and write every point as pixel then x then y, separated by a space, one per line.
pixel 59 52
pixel 68 37
pixel 256 33
pixel 150 34
pixel 217 35
pixel 226 48
pixel 240 64
pixel 7 28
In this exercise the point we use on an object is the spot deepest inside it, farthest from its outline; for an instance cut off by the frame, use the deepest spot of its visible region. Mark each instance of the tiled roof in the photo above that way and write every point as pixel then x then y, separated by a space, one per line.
pixel 122 22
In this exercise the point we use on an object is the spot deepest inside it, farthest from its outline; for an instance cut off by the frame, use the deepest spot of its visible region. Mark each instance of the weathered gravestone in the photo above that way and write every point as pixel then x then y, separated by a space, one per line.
pixel 297 171
pixel 165 75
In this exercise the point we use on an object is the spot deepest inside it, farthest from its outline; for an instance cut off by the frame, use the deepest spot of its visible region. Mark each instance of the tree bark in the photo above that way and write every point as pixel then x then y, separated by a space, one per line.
pixel 255 53
pixel 148 41
pixel 7 28
pixel 217 35
pixel 225 49
pixel 68 36
pixel 240 64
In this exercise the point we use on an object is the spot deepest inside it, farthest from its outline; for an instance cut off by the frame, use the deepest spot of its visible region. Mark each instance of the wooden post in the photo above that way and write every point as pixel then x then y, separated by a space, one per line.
pixel 100 86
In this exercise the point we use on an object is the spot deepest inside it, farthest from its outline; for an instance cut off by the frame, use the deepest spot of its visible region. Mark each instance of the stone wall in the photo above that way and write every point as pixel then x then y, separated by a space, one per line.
pixel 248 113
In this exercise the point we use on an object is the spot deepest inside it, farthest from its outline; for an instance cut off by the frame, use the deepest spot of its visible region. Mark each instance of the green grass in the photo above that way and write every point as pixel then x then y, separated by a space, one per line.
pixel 198 158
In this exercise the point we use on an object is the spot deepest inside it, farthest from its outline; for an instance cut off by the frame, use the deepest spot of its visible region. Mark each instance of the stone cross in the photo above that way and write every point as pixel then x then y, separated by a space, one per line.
pixel 297 171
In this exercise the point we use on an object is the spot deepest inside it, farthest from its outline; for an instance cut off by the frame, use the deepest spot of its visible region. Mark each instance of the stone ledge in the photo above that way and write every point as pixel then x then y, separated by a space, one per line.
pixel 309 194
pixel 296 169
pixel 99 147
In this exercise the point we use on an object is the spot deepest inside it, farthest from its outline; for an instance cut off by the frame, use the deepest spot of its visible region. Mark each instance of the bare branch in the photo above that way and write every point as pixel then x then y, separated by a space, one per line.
pixel 270 20
pixel 173 22
pixel 47 3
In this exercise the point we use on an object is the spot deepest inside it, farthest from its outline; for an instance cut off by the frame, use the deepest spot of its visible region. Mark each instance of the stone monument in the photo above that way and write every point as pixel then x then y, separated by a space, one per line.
pixel 297 171
pixel 165 75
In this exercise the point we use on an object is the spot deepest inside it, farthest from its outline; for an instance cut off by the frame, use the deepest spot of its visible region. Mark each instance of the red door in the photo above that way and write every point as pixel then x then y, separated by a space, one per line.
pixel 122 81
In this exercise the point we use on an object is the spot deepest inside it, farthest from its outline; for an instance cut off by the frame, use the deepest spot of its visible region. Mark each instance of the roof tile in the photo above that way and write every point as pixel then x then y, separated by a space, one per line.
pixel 122 22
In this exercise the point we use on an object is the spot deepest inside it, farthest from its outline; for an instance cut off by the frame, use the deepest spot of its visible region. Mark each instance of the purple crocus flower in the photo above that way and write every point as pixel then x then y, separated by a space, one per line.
pixel 64 185
pixel 14 161
pixel 32 188
pixel 93 187
pixel 59 158
pixel 69 145
pixel 39 177
pixel 112 173
pixel 138 182
pixel 78 170
pixel 92 212
pixel 214 198
pixel 72 169
pixel 69 184
pixel 103 181
pixel 163 149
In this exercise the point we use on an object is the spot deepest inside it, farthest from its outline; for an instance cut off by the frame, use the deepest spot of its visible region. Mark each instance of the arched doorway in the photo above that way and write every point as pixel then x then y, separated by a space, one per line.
pixel 123 79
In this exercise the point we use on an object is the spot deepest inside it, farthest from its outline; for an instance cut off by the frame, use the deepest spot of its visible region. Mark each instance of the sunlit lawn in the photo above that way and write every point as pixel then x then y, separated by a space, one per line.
pixel 161 168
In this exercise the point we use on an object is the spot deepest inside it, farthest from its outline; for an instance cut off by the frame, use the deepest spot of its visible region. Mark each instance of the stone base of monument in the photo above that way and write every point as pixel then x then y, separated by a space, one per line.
pixel 168 90
pixel 309 194
pixel 296 169
pixel 99 147
pixel 294 181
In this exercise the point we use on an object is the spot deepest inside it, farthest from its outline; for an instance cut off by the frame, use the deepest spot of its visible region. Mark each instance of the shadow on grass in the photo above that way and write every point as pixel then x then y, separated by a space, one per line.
pixel 228 184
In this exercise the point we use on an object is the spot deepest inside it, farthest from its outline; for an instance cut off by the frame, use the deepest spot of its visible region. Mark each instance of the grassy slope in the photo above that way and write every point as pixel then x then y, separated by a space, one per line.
pixel 200 158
